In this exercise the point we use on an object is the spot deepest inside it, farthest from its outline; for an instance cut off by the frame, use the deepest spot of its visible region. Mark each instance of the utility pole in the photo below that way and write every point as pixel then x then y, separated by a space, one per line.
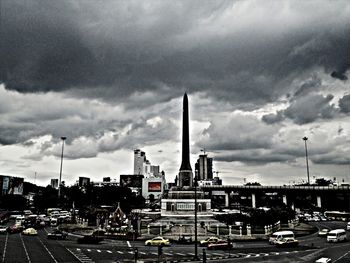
pixel 59 183
pixel 307 162
pixel 195 220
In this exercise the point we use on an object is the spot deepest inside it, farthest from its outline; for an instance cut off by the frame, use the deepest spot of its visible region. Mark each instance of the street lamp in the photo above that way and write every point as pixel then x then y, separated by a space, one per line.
pixel 307 161
pixel 195 219
pixel 59 183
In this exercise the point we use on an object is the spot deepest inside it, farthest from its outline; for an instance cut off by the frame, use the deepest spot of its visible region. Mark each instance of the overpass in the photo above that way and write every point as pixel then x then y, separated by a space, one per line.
pixel 289 193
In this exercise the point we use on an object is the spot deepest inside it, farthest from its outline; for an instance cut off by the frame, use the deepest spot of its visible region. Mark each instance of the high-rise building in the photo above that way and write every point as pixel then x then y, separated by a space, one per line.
pixel 204 167
pixel 54 183
pixel 139 160
pixel 155 170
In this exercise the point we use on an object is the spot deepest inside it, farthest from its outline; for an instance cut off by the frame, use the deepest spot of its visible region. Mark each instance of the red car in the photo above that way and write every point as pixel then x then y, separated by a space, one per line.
pixel 15 229
pixel 221 244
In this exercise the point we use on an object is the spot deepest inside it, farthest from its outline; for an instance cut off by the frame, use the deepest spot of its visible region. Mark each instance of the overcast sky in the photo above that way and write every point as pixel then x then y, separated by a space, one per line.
pixel 110 76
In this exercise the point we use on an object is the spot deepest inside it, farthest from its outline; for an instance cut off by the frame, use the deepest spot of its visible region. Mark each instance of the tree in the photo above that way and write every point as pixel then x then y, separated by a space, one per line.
pixel 323 182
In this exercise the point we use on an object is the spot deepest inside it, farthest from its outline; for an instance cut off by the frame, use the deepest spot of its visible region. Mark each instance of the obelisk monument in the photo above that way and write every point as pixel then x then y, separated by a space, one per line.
pixel 185 174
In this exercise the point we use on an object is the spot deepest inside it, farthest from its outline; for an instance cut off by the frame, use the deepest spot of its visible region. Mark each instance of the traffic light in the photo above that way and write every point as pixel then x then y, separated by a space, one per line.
pixel 160 250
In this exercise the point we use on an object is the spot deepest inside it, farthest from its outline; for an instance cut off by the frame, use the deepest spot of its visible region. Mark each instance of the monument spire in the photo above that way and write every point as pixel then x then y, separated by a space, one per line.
pixel 185 162
pixel 185 174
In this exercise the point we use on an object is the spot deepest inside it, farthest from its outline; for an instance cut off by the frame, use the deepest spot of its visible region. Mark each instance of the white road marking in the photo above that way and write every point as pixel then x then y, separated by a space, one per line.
pixel 5 247
pixel 99 251
pixel 216 254
pixel 341 257
pixel 142 253
pixel 168 254
pixel 25 249
pixel 131 252
pixel 108 251
pixel 190 254
pixel 80 256
pixel 48 251
pixel 128 242
pixel 89 250
pixel 153 253
pixel 120 252
pixel 180 254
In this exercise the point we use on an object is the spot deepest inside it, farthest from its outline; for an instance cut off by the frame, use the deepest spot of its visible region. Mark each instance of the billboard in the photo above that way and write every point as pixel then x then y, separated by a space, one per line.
pixel 133 180
pixel 154 186
pixel 11 185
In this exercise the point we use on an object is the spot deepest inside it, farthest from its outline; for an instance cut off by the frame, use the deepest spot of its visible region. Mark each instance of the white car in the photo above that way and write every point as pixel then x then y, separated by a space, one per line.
pixel 323 260
pixel 3 229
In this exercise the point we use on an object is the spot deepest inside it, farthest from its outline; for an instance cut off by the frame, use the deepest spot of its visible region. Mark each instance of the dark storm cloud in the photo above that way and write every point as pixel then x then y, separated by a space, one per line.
pixel 112 49
pixel 344 104
pixel 305 109
pixel 258 156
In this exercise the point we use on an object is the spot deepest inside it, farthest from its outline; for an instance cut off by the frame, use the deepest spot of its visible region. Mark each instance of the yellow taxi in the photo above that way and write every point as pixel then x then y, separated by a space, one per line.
pixel 30 232
pixel 209 240
pixel 157 241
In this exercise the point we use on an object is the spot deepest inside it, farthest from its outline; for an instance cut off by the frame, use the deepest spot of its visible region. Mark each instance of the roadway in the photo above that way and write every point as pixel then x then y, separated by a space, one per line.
pixel 32 249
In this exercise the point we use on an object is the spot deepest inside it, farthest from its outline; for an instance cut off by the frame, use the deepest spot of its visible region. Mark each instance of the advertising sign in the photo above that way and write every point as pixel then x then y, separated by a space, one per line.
pixel 154 186
pixel 133 180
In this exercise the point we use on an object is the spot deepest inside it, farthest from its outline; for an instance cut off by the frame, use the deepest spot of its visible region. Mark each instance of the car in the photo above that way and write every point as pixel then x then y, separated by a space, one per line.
pixel 323 260
pixel 3 229
pixel 29 232
pixel 209 240
pixel 323 232
pixel 57 234
pixel 185 240
pixel 287 242
pixel 16 228
pixel 221 244
pixel 157 241
pixel 89 239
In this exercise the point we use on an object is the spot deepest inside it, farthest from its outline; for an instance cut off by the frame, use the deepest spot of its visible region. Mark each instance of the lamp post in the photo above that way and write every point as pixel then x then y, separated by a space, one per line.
pixel 307 162
pixel 195 219
pixel 205 172
pixel 59 183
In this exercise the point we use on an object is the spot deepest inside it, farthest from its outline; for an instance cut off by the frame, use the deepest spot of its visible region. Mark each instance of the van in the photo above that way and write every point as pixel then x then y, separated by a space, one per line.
pixel 20 220
pixel 53 222
pixel 336 235
pixel 279 235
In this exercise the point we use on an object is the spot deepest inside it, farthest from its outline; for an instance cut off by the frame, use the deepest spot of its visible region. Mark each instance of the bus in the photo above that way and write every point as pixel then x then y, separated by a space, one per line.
pixel 337 215
pixel 50 210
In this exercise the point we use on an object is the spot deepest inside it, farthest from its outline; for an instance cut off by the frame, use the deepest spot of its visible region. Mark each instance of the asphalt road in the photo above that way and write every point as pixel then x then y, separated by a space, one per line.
pixel 32 249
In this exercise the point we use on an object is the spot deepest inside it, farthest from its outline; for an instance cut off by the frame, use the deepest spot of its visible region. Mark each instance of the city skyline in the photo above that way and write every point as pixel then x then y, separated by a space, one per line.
pixel 110 77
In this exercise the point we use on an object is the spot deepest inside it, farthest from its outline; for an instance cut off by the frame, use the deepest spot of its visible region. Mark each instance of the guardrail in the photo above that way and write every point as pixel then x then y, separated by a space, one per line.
pixel 282 187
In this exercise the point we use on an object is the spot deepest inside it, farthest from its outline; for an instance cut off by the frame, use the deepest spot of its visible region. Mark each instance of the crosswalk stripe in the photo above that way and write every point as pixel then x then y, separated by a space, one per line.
pixel 168 254
pixel 99 251
pixel 142 253
pixel 153 253
pixel 89 250
pixel 108 251
pixel 180 254
pixel 119 252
